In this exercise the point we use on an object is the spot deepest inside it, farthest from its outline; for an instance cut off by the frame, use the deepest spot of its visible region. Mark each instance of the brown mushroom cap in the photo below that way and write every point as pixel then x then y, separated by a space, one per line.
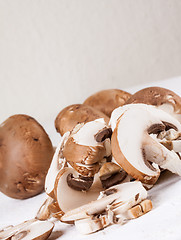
pixel 70 116
pixel 156 96
pixel 25 156
pixel 107 100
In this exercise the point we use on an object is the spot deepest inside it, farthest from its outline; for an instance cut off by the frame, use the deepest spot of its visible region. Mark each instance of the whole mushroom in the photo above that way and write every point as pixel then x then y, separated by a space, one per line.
pixel 25 156
pixel 162 98
pixel 107 100
pixel 70 116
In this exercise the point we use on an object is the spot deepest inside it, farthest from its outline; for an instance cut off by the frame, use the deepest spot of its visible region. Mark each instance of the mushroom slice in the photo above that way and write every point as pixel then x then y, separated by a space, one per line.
pixel 132 146
pixel 73 190
pixel 163 98
pixel 111 174
pixel 118 199
pixel 57 163
pixel 82 147
pixel 97 222
pixel 8 232
pixel 37 230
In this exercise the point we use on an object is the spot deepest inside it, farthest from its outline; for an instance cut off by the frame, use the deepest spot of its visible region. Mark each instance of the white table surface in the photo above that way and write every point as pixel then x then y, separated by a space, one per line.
pixel 163 222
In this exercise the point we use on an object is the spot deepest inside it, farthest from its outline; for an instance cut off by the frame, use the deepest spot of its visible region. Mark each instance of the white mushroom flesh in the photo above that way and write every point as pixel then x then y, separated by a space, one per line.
pixel 168 107
pixel 85 135
pixel 38 229
pixel 56 164
pixel 117 198
pixel 69 198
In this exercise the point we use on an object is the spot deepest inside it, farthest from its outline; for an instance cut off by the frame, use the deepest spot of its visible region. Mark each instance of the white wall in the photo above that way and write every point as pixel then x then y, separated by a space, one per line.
pixel 57 52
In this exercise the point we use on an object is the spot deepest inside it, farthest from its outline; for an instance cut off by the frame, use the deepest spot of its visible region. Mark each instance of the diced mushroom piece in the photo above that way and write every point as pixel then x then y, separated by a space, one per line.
pixel 162 98
pixel 8 232
pixel 58 163
pixel 40 230
pixel 73 190
pixel 86 147
pixel 117 199
pixel 134 149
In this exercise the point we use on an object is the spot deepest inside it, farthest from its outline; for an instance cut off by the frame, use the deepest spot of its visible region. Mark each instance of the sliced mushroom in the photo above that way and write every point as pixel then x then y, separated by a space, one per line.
pixel 40 230
pixel 57 164
pixel 111 174
pixel 72 191
pixel 118 199
pixel 134 149
pixel 82 151
pixel 97 222
pixel 163 98
pixel 8 232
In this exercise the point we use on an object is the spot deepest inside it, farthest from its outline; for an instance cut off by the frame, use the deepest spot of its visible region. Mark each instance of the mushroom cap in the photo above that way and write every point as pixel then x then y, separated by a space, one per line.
pixel 130 125
pixel 25 156
pixel 70 116
pixel 69 198
pixel 107 100
pixel 157 96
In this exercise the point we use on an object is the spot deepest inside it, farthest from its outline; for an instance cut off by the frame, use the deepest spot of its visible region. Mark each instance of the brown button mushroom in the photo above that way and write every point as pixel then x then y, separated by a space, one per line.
pixel 163 98
pixel 25 156
pixel 107 100
pixel 70 116
pixel 135 143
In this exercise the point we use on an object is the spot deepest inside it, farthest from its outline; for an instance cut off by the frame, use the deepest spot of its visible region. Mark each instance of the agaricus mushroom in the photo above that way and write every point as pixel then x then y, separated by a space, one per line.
pixel 111 206
pixel 73 190
pixel 30 230
pixel 107 100
pixel 87 146
pixel 163 98
pixel 70 116
pixel 133 146
pixel 25 156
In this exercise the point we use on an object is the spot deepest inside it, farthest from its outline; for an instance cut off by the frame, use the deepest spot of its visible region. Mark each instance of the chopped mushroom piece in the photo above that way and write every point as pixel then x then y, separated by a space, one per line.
pixel 82 150
pixel 134 149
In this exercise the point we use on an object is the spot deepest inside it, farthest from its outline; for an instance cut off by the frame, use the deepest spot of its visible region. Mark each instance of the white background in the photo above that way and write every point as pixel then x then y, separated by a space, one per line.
pixel 57 52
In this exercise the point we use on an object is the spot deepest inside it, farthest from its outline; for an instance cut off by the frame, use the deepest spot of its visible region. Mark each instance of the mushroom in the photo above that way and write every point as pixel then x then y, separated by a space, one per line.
pixel 7 232
pixel 110 207
pixel 111 174
pixel 25 156
pixel 40 230
pixel 163 98
pixel 58 163
pixel 107 100
pixel 70 116
pixel 133 146
pixel 97 222
pixel 86 147
pixel 72 190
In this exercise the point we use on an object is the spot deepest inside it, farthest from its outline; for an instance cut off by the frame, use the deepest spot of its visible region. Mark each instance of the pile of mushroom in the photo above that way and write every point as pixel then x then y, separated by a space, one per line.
pixel 113 148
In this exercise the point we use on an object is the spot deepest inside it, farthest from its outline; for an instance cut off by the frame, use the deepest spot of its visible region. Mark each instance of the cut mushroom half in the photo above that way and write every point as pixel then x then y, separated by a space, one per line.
pixel 73 190
pixel 111 205
pixel 58 163
pixel 134 149
pixel 87 146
